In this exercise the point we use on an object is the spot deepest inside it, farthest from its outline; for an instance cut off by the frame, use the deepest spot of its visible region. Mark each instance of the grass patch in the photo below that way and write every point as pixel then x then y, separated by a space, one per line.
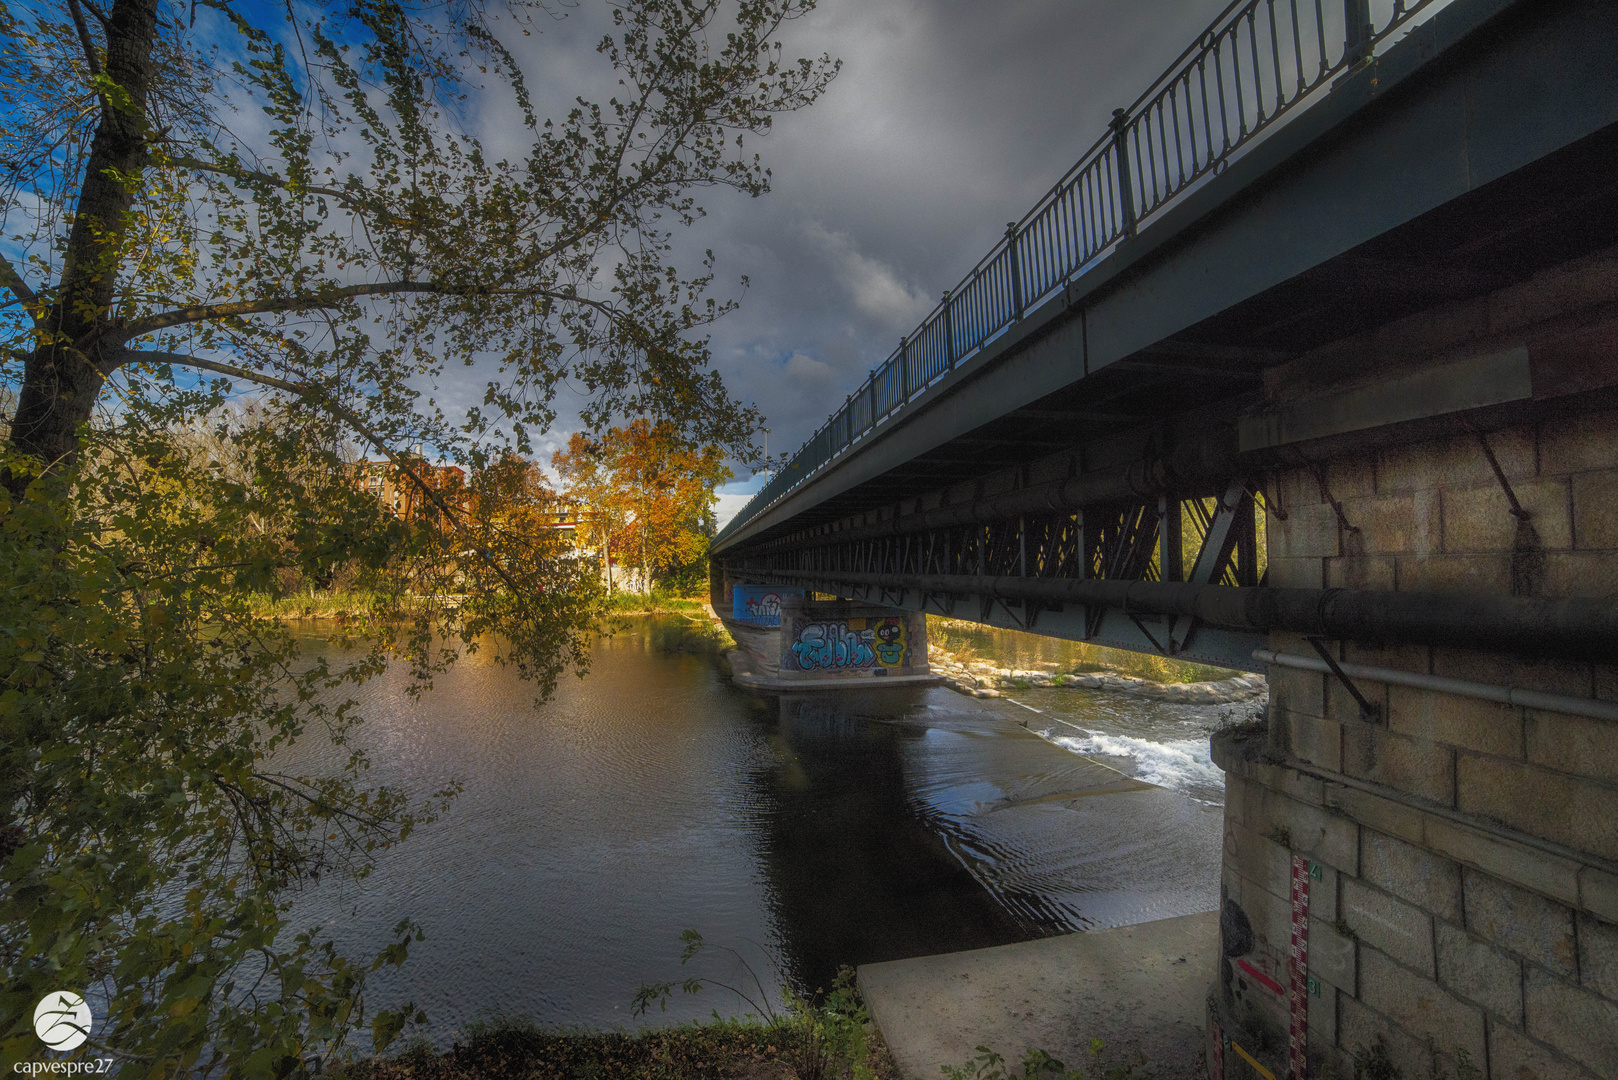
pixel 521 1050
pixel 691 634
pixel 314 604
pixel 656 602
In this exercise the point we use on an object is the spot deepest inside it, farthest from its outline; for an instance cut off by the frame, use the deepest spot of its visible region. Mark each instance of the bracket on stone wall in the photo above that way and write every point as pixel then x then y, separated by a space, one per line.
pixel 1369 711
pixel 1527 551
pixel 1319 470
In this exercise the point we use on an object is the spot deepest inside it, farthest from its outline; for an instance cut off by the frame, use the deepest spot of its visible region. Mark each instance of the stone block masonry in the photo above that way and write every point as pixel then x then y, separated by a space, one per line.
pixel 1464 854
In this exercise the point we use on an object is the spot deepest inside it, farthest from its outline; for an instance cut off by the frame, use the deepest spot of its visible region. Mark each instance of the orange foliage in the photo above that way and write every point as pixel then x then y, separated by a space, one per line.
pixel 649 493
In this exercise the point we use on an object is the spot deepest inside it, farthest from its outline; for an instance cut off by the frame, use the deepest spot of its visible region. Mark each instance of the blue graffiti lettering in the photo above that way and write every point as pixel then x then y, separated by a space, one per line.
pixel 833 645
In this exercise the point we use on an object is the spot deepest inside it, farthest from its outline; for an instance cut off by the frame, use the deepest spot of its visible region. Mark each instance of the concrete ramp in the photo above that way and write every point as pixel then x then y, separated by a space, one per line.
pixel 1137 988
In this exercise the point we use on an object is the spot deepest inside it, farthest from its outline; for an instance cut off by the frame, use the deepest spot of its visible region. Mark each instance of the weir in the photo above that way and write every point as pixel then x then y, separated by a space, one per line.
pixel 1331 396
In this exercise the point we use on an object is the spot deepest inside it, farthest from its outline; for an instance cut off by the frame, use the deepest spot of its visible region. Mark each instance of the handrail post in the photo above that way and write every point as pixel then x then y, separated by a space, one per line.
pixel 1357 20
pixel 1120 148
pixel 870 392
pixel 904 367
pixel 1016 270
pixel 949 333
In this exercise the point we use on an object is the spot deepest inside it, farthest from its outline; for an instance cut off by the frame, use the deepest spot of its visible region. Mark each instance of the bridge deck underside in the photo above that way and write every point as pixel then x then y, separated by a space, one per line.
pixel 1560 208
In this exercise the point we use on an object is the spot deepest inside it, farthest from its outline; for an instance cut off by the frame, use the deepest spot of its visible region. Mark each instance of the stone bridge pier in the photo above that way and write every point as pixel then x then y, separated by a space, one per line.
pixel 787 640
pixel 1455 810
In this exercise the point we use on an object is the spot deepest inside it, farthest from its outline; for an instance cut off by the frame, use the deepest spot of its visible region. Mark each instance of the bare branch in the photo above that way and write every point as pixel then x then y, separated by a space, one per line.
pixel 343 198
pixel 86 42
pixel 13 281
pixel 275 304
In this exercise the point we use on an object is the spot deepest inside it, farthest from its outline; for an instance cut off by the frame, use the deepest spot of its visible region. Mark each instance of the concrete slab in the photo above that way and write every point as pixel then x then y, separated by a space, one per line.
pixel 1136 988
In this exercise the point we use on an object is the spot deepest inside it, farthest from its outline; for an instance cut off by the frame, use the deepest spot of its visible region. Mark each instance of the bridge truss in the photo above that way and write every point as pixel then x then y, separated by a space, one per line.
pixel 1031 570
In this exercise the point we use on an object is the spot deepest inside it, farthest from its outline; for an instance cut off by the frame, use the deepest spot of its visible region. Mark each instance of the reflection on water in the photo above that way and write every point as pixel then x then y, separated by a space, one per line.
pixel 807 831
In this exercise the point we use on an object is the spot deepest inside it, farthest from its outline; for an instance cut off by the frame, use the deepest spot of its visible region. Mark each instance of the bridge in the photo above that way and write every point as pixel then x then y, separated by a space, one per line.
pixel 1309 366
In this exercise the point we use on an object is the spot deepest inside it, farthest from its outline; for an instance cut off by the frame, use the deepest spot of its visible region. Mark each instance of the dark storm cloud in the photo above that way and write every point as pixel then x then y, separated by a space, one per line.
pixel 949 119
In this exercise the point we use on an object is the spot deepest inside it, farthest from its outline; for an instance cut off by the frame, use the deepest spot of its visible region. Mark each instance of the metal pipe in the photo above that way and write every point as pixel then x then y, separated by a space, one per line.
pixel 1506 695
pixel 1576 627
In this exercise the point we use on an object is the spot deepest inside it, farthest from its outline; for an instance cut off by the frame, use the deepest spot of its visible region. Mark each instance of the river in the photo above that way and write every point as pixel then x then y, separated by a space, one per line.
pixel 805 832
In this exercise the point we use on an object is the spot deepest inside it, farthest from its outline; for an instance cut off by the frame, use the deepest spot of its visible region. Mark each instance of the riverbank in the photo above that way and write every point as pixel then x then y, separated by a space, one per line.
pixel 720 1050
pixel 976 661
pixel 344 605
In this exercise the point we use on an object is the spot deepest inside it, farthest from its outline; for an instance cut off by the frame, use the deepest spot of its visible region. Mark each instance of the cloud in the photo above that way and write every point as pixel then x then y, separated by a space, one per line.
pixel 809 373
pixel 950 117
pixel 732 497
pixel 873 285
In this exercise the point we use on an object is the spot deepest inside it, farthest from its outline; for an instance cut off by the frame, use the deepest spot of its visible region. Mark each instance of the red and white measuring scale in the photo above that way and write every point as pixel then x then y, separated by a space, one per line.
pixel 1297 991
pixel 1298 969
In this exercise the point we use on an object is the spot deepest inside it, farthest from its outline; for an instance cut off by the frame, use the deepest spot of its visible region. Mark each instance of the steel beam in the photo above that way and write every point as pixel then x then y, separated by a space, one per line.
pixel 1191 465
pixel 1573 628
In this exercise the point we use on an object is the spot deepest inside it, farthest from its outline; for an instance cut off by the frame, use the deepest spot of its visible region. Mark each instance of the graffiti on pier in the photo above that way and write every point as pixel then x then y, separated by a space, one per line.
pixel 833 645
pixel 890 642
pixel 851 644
pixel 759 604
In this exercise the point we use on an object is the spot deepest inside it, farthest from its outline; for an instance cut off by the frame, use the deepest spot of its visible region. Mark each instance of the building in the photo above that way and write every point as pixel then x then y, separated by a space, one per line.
pixel 403 497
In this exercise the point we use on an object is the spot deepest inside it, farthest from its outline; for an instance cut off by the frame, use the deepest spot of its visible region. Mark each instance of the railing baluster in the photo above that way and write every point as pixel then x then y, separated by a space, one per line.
pixel 1275 53
pixel 1360 34
pixel 1236 75
pixel 904 366
pixel 1016 275
pixel 1297 44
pixel 1207 110
pixel 1120 144
pixel 1258 69
pixel 1179 143
pixel 1320 31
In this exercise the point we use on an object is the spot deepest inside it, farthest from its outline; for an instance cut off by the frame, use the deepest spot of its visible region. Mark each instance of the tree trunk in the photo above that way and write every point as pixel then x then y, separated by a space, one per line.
pixel 65 372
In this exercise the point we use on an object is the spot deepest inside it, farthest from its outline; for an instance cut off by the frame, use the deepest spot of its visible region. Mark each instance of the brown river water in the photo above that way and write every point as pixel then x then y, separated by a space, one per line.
pixel 805 832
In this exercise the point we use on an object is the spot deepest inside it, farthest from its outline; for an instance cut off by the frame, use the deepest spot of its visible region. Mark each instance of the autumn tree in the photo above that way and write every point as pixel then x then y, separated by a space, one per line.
pixel 649 493
pixel 204 198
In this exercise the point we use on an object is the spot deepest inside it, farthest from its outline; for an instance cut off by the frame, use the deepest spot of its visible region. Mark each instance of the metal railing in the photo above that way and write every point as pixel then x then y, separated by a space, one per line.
pixel 1255 62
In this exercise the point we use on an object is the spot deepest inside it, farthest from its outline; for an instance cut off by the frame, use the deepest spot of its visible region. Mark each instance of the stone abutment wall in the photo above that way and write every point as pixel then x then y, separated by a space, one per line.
pixel 1463 853
pixel 1464 893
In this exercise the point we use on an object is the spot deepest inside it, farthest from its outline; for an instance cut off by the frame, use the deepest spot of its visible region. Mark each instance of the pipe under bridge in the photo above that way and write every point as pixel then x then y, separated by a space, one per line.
pixel 1326 232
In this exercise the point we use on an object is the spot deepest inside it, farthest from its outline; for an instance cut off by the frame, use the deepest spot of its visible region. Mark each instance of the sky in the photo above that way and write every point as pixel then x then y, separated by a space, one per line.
pixel 949 119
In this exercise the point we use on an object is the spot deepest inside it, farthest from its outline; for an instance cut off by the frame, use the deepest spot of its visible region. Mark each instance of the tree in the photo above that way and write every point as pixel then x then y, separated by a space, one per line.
pixel 650 494
pixel 205 197
pixel 589 478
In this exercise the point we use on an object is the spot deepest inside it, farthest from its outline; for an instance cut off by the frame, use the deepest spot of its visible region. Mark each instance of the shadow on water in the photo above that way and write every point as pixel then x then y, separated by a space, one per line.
pixel 913 822
pixel 858 874
pixel 807 831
